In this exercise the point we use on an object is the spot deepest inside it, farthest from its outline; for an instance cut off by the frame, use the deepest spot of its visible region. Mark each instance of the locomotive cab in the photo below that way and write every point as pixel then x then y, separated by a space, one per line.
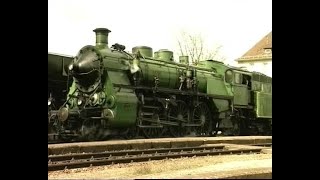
pixel 252 100
pixel 241 86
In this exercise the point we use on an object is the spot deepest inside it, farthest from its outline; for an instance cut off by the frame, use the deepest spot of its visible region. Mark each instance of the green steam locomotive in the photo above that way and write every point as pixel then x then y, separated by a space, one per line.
pixel 114 92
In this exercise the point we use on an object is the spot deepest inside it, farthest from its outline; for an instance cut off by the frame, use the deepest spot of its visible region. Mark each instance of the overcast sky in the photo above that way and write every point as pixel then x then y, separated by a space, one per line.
pixel 235 24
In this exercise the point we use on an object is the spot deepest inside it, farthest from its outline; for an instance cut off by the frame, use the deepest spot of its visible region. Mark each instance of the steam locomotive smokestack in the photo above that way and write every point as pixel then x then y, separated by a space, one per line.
pixel 102 37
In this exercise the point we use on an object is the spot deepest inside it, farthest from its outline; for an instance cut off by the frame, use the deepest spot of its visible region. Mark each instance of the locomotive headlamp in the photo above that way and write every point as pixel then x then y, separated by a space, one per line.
pixel 50 99
pixel 94 99
pixel 108 114
pixel 63 114
pixel 70 67
pixel 79 102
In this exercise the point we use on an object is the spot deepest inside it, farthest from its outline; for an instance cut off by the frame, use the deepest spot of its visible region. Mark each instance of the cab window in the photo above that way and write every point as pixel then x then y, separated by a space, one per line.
pixel 229 76
pixel 238 78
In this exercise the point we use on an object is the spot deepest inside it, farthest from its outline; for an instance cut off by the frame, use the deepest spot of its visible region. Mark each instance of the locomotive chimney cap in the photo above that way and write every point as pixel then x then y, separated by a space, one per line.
pixel 101 30
pixel 102 37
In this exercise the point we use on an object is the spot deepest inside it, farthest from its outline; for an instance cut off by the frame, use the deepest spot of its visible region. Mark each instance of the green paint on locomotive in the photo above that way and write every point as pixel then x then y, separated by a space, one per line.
pixel 124 100
pixel 262 95
pixel 263 103
pixel 209 76
pixel 247 88
pixel 120 104
pixel 113 70
pixel 164 55
pixel 168 74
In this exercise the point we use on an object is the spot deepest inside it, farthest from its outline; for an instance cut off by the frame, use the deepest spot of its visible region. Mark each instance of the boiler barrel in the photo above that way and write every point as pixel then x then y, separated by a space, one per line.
pixel 168 75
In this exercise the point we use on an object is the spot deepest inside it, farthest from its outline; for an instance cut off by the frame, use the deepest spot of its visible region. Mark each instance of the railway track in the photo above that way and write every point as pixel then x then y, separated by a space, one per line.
pixel 261 144
pixel 70 161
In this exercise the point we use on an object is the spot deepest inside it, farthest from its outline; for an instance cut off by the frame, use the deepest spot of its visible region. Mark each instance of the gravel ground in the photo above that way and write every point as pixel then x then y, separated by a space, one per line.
pixel 195 167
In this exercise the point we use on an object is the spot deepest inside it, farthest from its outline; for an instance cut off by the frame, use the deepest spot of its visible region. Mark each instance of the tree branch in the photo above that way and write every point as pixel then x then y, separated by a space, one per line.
pixel 193 45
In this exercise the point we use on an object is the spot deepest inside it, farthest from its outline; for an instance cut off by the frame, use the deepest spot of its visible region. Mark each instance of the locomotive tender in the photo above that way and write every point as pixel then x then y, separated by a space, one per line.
pixel 146 93
pixel 58 81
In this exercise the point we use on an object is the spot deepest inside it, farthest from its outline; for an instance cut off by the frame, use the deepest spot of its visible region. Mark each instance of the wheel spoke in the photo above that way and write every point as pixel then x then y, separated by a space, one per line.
pixel 201 115
pixel 178 114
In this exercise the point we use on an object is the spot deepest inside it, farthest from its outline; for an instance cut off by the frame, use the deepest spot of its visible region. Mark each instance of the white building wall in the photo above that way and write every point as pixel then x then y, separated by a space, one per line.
pixel 264 67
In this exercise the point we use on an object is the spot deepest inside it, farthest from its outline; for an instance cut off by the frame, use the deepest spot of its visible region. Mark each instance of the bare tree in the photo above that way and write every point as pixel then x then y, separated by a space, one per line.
pixel 193 45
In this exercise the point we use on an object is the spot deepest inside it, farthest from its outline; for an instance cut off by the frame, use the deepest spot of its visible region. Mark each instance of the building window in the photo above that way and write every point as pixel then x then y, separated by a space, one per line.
pixel 267 51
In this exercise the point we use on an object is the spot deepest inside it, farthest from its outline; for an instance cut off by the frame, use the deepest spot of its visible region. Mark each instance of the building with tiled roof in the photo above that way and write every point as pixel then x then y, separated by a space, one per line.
pixel 259 57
